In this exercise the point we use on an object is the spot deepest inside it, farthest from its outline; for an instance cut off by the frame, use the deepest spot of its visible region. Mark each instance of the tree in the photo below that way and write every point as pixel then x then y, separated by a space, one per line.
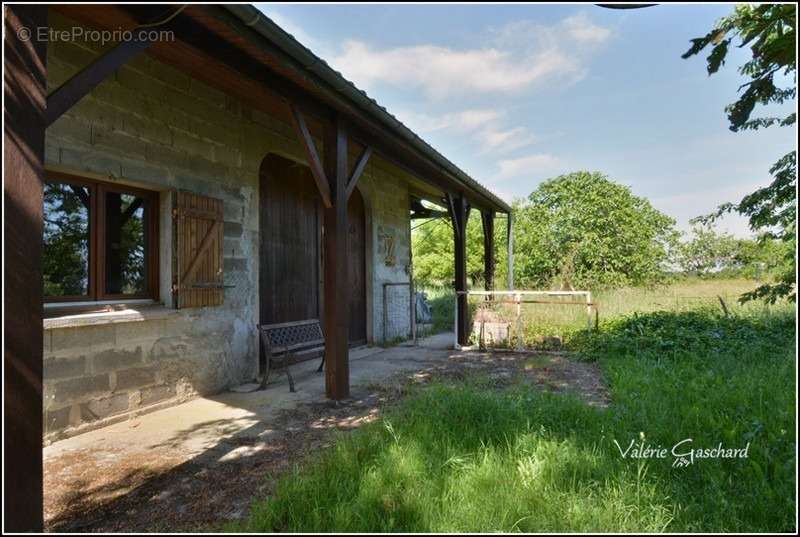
pixel 582 230
pixel 763 257
pixel 432 245
pixel 769 31
pixel 708 251
pixel 66 240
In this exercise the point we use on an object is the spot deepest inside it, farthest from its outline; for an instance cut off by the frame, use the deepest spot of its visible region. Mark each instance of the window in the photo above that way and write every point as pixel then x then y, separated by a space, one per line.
pixel 100 241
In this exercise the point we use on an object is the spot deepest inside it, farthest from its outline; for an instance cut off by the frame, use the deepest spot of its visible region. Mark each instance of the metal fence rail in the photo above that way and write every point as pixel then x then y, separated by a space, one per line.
pixel 517 299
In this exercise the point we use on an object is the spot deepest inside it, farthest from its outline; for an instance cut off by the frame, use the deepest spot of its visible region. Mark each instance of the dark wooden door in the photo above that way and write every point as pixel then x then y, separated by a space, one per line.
pixel 289 254
pixel 356 250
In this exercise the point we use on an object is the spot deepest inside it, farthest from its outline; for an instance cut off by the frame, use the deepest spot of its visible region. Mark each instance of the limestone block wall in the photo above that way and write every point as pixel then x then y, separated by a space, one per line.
pixel 390 257
pixel 154 127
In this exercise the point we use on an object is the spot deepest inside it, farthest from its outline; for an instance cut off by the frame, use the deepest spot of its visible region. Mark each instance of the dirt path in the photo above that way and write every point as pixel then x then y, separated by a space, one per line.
pixel 108 488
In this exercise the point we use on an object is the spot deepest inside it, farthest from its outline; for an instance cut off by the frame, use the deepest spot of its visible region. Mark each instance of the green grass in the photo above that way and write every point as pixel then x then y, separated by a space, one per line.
pixel 442 302
pixel 464 457
pixel 541 320
pixel 562 320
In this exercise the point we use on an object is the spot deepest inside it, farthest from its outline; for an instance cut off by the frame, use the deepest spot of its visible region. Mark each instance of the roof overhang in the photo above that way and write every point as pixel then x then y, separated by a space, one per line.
pixel 237 49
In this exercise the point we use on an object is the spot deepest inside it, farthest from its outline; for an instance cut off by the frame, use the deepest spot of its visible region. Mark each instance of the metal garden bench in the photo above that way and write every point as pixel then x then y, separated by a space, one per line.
pixel 293 342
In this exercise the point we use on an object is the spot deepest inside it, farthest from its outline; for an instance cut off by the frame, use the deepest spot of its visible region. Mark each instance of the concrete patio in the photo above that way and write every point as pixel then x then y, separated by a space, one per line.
pixel 201 463
pixel 108 478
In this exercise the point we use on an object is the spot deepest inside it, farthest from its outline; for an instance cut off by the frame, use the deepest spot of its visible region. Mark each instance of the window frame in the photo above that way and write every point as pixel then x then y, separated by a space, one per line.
pixel 97 244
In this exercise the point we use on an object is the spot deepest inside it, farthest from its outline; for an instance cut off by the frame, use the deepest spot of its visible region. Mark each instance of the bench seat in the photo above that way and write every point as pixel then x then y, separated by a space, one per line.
pixel 290 343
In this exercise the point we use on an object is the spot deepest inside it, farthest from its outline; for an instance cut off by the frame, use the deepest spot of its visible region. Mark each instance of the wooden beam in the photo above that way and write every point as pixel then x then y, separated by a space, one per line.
pixel 336 284
pixel 358 170
pixel 25 94
pixel 212 47
pixel 487 219
pixel 73 90
pixel 419 211
pixel 510 246
pixel 428 214
pixel 459 216
pixel 303 134
pixel 449 200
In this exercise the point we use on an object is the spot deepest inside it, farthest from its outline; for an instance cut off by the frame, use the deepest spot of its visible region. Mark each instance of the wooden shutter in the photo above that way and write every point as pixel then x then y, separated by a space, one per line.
pixel 197 274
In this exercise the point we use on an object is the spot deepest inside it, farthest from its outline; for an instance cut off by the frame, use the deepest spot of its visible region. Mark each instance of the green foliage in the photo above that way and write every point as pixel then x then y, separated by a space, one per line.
pixel 765 257
pixel 66 238
pixel 542 323
pixel 442 302
pixel 65 263
pixel 769 31
pixel 582 230
pixel 662 335
pixel 433 247
pixel 443 308
pixel 465 458
pixel 710 253
pixel 707 251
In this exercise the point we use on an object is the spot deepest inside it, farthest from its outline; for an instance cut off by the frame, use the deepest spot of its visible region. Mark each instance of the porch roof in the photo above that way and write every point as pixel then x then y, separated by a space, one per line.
pixel 241 51
pixel 317 66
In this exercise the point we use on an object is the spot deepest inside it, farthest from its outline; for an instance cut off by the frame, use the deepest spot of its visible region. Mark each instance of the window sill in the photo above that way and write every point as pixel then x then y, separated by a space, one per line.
pixel 127 315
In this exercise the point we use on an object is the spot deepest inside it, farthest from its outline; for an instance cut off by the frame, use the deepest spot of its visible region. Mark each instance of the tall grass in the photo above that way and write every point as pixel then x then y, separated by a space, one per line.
pixel 560 320
pixel 469 458
pixel 566 316
pixel 442 302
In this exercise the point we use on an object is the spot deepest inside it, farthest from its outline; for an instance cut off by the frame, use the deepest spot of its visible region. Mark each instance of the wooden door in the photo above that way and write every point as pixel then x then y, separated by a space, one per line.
pixel 356 251
pixel 289 254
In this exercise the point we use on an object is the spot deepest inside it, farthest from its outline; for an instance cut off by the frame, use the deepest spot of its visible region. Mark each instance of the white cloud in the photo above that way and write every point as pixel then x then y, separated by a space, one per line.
pixel 504 140
pixel 515 57
pixel 574 35
pixel 484 126
pixel 581 28
pixel 536 166
pixel 472 119
pixel 442 71
pixel 463 121
pixel 693 202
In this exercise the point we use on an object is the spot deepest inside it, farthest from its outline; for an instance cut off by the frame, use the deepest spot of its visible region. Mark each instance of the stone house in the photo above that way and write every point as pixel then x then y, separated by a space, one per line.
pixel 192 178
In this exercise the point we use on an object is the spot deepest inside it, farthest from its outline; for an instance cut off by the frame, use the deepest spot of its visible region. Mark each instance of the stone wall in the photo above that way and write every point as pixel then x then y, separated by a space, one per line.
pixel 390 257
pixel 152 126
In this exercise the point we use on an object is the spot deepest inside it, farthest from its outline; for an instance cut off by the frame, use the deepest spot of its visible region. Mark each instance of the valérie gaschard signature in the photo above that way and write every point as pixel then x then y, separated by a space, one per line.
pixel 682 452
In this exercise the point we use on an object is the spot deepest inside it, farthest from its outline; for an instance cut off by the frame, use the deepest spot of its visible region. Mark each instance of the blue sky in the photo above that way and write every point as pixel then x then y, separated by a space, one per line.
pixel 516 94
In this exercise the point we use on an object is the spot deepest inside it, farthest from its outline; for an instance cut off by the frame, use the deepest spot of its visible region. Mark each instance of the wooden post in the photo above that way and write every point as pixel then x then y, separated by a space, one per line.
pixel 518 328
pixel 510 245
pixel 459 214
pixel 337 300
pixel 487 219
pixel 25 93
